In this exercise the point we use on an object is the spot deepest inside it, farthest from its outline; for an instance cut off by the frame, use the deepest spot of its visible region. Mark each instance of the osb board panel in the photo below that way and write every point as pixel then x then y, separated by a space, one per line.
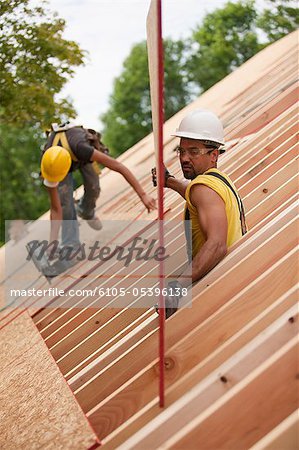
pixel 37 408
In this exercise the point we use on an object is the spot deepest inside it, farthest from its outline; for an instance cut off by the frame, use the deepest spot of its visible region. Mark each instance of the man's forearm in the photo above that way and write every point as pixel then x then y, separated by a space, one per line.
pixel 132 180
pixel 56 218
pixel 179 186
pixel 117 166
pixel 55 213
pixel 206 259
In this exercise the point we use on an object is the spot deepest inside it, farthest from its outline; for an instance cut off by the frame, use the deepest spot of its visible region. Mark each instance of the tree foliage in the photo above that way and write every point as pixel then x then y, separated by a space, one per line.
pixel 231 35
pixel 35 63
pixel 22 196
pixel 128 118
pixel 225 40
pixel 280 19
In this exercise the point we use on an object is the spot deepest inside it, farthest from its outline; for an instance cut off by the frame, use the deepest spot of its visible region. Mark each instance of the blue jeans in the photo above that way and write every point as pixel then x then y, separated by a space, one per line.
pixel 87 202
pixel 70 227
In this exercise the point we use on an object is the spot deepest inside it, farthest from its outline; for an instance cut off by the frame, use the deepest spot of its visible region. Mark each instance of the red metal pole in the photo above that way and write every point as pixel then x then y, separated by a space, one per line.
pixel 161 202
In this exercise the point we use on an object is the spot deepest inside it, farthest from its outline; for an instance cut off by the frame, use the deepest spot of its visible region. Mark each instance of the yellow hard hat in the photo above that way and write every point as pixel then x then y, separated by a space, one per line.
pixel 56 162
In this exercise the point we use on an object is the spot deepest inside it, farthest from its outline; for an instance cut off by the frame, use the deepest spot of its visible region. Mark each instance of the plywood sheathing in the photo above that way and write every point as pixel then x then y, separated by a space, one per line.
pixel 38 410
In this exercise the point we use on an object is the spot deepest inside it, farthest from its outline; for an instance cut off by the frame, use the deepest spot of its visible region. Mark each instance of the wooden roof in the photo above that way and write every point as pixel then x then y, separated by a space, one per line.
pixel 231 361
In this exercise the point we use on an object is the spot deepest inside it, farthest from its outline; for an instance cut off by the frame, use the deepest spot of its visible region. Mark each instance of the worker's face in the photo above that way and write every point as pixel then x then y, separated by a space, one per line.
pixel 195 158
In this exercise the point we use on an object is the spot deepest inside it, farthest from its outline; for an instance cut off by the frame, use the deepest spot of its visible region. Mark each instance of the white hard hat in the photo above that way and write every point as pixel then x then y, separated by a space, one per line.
pixel 201 124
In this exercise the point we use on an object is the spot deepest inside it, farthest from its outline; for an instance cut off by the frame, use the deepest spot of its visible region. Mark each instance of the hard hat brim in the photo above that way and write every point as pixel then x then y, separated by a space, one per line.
pixel 50 178
pixel 198 137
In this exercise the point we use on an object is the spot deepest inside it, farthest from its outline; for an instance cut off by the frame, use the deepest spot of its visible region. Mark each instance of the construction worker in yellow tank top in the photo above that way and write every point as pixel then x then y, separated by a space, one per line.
pixel 213 205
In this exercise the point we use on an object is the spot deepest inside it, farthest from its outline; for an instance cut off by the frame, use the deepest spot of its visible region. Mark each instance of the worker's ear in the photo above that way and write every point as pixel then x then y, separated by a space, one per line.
pixel 214 155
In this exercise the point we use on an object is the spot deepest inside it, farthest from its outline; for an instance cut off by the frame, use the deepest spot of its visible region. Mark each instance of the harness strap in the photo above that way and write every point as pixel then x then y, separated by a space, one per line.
pixel 96 167
pixel 188 234
pixel 61 137
pixel 240 203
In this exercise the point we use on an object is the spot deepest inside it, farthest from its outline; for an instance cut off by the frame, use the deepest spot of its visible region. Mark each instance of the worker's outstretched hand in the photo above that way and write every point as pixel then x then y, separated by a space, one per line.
pixel 166 176
pixel 149 202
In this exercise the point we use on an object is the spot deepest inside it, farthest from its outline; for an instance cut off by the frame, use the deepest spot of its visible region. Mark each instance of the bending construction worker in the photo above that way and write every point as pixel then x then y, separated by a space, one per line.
pixel 214 213
pixel 69 148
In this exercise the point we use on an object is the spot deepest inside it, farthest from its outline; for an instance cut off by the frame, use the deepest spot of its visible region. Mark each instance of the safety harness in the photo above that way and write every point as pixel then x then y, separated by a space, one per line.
pixel 187 222
pixel 61 139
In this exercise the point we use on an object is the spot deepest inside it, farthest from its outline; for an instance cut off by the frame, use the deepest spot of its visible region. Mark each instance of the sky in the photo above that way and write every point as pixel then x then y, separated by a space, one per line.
pixel 108 29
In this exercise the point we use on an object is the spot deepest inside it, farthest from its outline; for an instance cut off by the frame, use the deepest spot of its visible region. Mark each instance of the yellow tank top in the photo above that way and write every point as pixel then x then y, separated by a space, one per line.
pixel 234 231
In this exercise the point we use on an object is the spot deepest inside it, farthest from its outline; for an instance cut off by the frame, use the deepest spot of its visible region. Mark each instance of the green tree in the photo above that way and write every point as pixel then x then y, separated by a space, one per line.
pixel 231 35
pixel 279 20
pixel 128 118
pixel 226 39
pixel 35 63
pixel 22 196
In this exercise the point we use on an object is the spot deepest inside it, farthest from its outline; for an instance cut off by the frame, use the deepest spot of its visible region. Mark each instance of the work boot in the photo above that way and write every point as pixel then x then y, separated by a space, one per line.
pixel 58 267
pixel 94 222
